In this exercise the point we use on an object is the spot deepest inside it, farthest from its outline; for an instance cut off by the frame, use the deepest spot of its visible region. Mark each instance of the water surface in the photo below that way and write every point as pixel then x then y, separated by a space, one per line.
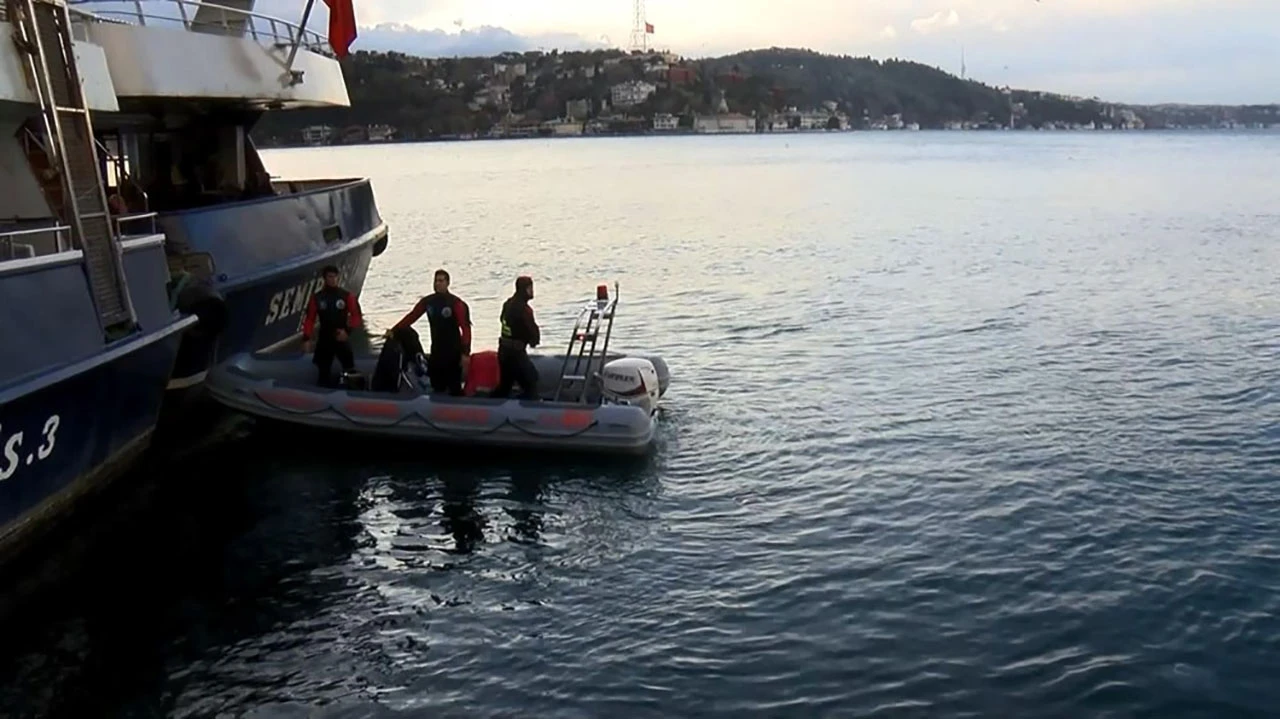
pixel 962 424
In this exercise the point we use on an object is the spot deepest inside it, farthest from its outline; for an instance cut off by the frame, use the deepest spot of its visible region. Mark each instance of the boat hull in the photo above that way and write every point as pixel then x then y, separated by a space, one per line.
pixel 282 388
pixel 264 257
pixel 75 408
pixel 70 431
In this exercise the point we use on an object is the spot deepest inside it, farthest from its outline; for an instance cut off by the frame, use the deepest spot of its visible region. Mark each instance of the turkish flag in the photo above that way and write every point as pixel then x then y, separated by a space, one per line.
pixel 342 26
pixel 648 28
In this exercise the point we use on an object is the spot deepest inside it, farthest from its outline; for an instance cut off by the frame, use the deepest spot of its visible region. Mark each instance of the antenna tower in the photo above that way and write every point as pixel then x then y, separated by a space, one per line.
pixel 639 38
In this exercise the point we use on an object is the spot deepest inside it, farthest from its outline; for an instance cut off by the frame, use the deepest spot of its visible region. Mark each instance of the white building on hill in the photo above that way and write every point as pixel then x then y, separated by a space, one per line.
pixel 626 94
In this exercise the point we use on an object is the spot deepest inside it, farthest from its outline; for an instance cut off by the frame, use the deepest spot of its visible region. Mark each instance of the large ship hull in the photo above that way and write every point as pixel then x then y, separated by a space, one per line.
pixel 169 101
pixel 70 432
pixel 270 314
pixel 74 410
pixel 264 259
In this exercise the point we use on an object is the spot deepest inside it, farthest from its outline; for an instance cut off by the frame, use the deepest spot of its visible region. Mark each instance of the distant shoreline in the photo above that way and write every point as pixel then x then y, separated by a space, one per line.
pixel 612 93
pixel 787 133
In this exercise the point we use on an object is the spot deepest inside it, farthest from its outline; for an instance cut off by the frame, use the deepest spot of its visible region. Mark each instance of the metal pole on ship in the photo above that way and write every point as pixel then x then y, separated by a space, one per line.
pixel 297 40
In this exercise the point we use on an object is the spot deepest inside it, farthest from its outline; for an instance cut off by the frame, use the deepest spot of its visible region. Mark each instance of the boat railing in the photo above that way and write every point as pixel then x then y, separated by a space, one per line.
pixel 55 237
pixel 204 17
pixel 297 187
pixel 25 244
pixel 138 224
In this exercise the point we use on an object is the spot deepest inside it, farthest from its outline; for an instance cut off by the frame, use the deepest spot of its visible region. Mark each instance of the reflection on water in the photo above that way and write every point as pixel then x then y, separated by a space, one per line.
pixel 264 539
pixel 522 504
pixel 460 515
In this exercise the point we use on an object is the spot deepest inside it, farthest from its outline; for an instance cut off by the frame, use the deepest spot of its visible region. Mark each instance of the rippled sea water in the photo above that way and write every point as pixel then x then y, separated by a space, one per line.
pixel 962 424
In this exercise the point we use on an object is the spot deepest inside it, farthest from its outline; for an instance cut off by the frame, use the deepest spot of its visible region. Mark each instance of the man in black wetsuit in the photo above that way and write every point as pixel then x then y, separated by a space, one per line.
pixel 519 332
pixel 338 313
pixel 450 320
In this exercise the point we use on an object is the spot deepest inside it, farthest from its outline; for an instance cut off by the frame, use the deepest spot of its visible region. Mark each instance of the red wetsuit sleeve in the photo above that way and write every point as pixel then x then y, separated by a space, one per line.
pixel 309 324
pixel 412 316
pixel 354 318
pixel 533 327
pixel 464 323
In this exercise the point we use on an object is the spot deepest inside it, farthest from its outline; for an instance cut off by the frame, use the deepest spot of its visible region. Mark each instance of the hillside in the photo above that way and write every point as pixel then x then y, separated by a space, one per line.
pixel 414 98
pixel 861 86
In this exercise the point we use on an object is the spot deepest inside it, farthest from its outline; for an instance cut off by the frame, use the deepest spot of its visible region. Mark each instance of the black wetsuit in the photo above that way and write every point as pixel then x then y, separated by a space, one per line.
pixel 335 309
pixel 450 320
pixel 519 332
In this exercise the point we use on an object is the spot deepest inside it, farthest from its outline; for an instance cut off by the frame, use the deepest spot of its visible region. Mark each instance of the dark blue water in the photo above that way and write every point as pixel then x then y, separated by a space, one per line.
pixel 962 425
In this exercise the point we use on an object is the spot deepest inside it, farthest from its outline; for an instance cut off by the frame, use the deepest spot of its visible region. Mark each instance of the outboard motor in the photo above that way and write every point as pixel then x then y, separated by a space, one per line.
pixel 630 381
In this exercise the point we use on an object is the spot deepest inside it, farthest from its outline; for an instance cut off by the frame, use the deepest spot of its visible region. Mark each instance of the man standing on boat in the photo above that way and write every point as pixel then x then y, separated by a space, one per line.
pixel 338 313
pixel 519 332
pixel 450 320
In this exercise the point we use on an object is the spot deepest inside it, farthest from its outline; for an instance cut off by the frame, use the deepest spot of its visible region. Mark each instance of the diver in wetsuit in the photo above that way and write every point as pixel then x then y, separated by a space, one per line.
pixel 337 312
pixel 450 320
pixel 519 332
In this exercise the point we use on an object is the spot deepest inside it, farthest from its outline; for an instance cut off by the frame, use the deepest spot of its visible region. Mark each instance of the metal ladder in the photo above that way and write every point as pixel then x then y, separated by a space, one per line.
pixel 43 36
pixel 585 336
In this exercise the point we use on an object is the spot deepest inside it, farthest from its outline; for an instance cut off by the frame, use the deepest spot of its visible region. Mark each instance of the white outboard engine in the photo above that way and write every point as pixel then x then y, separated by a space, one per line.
pixel 630 381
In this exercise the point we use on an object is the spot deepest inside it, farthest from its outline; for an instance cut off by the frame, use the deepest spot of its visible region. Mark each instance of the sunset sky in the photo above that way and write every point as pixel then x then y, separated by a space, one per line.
pixel 1127 50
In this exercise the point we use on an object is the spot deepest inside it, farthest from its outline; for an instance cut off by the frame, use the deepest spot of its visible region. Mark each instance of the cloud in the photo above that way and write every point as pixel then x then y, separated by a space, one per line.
pixel 1163 58
pixel 368 13
pixel 377 32
pixel 399 25
pixel 936 22
pixel 484 40
pixel 888 32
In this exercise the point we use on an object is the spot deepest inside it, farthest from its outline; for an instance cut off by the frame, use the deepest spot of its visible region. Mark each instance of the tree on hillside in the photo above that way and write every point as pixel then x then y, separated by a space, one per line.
pixel 425 98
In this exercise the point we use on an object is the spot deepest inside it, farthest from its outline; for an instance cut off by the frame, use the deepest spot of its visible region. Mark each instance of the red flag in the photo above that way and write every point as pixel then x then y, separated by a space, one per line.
pixel 648 28
pixel 342 26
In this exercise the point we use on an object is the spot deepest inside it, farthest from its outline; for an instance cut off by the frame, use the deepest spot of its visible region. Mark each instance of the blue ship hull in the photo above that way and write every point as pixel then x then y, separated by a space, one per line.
pixel 63 439
pixel 264 258
pixel 75 410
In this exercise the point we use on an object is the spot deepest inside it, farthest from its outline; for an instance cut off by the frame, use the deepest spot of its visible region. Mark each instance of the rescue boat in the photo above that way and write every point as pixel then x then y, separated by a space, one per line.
pixel 592 400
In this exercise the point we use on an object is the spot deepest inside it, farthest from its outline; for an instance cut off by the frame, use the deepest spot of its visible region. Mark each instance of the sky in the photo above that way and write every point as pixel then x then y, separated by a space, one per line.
pixel 1141 51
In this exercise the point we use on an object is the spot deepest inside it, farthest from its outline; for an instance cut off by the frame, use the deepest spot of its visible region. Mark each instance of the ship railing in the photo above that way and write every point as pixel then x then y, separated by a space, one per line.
pixel 51 237
pixel 139 224
pixel 204 17
pixel 24 244
pixel 296 187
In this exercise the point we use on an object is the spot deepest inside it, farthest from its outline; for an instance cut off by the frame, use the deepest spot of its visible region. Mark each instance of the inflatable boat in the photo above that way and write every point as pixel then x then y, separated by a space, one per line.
pixel 589 401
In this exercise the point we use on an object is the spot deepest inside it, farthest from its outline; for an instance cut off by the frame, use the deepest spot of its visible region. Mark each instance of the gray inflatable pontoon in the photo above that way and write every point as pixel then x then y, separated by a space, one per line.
pixel 283 388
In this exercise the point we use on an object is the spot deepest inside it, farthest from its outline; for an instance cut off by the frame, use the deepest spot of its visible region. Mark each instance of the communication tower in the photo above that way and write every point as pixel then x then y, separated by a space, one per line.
pixel 639 28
